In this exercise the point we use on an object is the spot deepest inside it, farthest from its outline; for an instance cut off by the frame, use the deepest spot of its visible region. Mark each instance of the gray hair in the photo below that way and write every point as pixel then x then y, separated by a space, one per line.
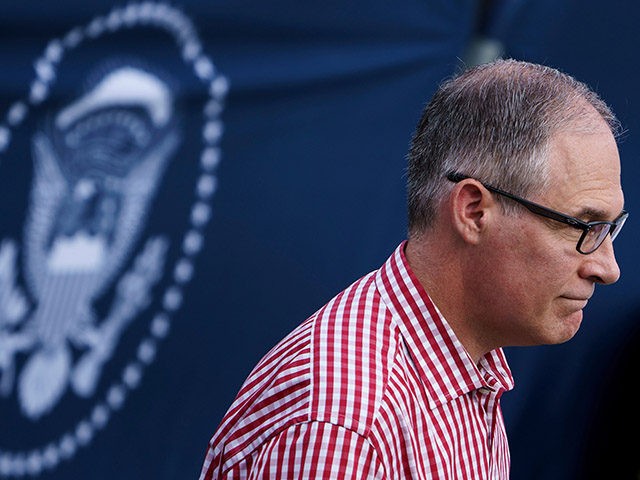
pixel 494 122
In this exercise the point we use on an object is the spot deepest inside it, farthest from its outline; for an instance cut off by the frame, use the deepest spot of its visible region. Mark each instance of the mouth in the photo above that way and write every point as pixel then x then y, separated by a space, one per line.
pixel 579 296
pixel 576 298
pixel 578 301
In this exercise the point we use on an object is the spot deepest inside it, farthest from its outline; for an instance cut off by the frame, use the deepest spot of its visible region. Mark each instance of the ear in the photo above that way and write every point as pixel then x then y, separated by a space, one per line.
pixel 472 207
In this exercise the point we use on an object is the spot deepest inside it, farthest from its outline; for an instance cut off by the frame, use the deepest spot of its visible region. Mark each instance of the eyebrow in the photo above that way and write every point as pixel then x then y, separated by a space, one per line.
pixel 595 214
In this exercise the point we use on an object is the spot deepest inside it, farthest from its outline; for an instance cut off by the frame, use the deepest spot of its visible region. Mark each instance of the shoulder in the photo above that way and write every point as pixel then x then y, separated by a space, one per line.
pixel 354 343
pixel 333 368
pixel 326 378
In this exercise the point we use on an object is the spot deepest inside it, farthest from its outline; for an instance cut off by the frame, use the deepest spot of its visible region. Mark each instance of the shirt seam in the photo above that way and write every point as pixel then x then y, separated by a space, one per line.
pixel 297 424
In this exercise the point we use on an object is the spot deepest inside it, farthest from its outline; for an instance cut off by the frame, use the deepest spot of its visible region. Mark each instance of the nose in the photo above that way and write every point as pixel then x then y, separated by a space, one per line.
pixel 601 266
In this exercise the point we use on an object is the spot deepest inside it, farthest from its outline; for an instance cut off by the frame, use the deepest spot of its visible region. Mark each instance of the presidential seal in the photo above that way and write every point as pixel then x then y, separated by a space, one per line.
pixel 83 260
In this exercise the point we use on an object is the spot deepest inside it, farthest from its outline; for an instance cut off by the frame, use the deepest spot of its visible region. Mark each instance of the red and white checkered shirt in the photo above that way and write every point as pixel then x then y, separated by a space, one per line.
pixel 373 385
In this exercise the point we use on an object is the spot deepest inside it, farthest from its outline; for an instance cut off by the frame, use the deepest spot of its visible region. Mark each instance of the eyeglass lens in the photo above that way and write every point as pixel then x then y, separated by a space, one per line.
pixel 596 235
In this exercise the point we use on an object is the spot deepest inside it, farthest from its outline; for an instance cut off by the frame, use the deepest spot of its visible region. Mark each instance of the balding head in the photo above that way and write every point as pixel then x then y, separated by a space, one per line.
pixel 495 122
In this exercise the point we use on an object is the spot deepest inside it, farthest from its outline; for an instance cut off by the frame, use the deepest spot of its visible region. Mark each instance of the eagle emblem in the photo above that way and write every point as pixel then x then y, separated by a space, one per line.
pixel 96 168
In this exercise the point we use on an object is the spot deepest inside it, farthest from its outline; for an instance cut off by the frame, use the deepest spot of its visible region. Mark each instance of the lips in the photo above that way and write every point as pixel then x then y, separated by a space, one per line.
pixel 576 303
pixel 577 298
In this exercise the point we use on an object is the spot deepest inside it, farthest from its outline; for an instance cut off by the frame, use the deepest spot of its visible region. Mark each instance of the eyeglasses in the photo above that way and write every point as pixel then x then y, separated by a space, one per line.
pixel 593 233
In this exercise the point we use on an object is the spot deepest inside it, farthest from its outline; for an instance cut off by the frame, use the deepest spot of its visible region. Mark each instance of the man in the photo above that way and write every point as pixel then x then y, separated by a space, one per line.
pixel 400 375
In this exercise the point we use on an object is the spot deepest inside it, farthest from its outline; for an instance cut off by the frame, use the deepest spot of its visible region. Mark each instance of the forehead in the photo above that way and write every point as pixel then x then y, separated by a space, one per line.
pixel 585 173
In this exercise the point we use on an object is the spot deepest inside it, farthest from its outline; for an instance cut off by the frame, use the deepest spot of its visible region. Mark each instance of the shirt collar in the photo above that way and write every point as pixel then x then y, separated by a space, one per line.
pixel 442 362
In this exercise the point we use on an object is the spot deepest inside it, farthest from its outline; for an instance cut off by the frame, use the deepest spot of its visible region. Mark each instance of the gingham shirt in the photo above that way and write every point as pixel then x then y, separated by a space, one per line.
pixel 373 385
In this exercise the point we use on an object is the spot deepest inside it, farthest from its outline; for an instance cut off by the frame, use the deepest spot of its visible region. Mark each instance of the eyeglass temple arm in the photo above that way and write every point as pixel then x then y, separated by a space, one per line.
pixel 531 206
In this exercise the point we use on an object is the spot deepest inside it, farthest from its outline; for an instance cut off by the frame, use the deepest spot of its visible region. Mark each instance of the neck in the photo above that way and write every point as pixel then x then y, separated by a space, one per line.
pixel 440 272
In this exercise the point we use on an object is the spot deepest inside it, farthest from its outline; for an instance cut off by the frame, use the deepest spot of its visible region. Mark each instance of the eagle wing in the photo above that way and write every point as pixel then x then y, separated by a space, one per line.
pixel 48 189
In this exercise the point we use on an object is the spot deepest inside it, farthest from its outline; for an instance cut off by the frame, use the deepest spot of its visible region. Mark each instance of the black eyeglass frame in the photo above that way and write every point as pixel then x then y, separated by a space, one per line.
pixel 586 227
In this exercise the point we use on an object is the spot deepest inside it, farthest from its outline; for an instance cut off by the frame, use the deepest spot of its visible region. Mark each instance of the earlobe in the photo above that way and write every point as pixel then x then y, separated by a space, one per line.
pixel 470 210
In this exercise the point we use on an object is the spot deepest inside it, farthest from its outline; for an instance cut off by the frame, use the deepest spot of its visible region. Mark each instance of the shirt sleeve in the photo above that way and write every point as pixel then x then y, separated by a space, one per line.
pixel 313 450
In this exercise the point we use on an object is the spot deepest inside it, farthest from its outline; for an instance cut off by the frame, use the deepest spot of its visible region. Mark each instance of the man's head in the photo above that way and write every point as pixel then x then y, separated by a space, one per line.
pixel 512 275
pixel 494 122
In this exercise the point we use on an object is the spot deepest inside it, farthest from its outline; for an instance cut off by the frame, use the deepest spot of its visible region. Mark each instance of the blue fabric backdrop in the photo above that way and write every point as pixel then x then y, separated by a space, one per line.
pixel 182 184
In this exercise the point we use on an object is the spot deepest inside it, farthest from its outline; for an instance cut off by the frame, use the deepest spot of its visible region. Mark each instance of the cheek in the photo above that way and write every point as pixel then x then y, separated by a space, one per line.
pixel 548 276
pixel 535 268
pixel 527 265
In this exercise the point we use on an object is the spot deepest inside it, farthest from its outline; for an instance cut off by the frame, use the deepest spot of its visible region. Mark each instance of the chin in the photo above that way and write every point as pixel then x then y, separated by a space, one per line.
pixel 570 326
pixel 561 329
